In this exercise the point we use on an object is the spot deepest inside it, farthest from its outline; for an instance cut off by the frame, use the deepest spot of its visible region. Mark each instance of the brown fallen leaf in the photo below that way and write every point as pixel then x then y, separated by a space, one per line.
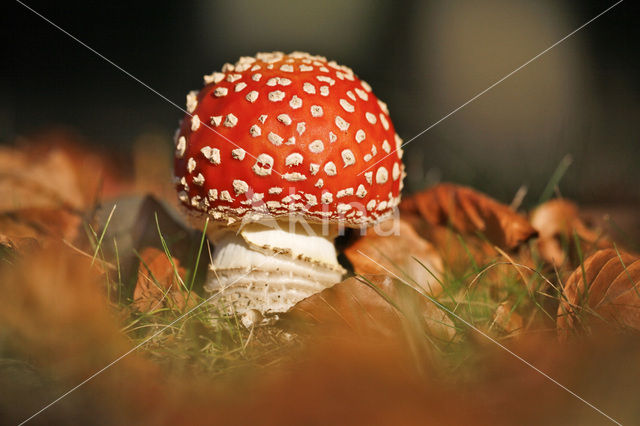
pixel 353 307
pixel 556 222
pixel 157 284
pixel 132 228
pixel 506 319
pixel 46 186
pixel 469 212
pixel 17 243
pixel 46 180
pixel 39 196
pixel 40 224
pixel 609 299
pixel 459 253
pixel 393 247
pixel 98 173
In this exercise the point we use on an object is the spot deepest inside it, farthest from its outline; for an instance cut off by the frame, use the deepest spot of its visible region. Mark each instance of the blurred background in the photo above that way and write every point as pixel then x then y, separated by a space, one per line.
pixel 424 58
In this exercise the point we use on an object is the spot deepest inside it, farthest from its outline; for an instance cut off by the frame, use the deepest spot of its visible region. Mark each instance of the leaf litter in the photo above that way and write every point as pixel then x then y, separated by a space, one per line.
pixel 372 340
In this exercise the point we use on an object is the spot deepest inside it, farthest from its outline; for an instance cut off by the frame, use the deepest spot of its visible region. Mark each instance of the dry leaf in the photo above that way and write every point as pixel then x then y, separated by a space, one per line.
pixel 617 221
pixel 354 307
pixel 39 196
pixel 468 211
pixel 20 244
pixel 157 284
pixel 57 290
pixel 98 174
pixel 46 180
pixel 40 224
pixel 610 298
pixel 45 187
pixel 556 222
pixel 507 319
pixel 54 312
pixel 459 254
pixel 132 227
pixel 392 247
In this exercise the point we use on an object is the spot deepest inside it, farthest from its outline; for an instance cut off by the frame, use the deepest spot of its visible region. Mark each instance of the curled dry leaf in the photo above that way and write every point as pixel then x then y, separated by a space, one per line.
pixel 41 189
pixel 469 211
pixel 16 244
pixel 604 292
pixel 352 306
pixel 39 195
pixel 98 174
pixel 395 247
pixel 49 183
pixel 37 181
pixel 158 284
pixel 556 222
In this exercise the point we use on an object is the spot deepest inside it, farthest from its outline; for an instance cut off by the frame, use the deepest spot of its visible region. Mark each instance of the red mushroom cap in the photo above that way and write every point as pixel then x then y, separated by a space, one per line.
pixel 280 134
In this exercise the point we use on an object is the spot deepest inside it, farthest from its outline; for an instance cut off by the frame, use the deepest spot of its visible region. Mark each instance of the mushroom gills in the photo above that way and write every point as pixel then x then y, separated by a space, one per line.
pixel 269 269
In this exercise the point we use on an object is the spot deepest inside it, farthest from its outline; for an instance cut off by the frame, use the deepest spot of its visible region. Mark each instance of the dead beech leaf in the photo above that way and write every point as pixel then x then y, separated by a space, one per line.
pixel 98 174
pixel 469 211
pixel 459 254
pixel 394 246
pixel 556 222
pixel 132 228
pixel 40 224
pixel 354 307
pixel 610 297
pixel 507 319
pixel 42 189
pixel 157 284
pixel 56 289
pixel 37 181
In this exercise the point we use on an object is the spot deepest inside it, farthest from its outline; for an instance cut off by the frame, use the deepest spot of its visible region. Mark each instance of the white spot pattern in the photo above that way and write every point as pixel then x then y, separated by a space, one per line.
pixel 348 158
pixel 238 154
pixel 230 120
pixel 276 96
pixel 294 159
pixel 316 111
pixel 252 96
pixel 211 154
pixel 316 146
pixel 255 130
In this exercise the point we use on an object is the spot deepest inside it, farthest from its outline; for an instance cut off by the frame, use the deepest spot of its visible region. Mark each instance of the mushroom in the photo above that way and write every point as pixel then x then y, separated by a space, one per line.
pixel 278 152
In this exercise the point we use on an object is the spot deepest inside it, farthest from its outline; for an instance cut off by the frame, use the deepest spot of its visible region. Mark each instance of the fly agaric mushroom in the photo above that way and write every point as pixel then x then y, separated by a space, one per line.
pixel 278 151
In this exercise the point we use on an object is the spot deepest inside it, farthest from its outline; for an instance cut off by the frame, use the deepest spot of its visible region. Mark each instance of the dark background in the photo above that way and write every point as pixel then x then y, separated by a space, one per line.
pixel 424 58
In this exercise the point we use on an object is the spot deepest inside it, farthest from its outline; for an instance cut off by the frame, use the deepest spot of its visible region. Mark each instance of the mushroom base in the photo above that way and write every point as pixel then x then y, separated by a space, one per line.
pixel 270 269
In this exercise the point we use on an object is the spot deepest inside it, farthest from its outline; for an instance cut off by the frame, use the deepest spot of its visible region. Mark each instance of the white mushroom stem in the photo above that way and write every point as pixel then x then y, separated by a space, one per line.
pixel 271 268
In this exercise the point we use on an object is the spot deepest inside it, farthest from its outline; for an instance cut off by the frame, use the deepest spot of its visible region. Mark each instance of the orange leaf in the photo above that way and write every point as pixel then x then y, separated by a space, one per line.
pixel 354 307
pixel 97 173
pixel 506 319
pixel 391 247
pixel 557 221
pixel 610 297
pixel 157 284
pixel 468 211
pixel 46 186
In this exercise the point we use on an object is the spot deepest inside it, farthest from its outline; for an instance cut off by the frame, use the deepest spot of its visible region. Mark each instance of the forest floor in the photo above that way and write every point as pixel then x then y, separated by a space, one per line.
pixel 476 311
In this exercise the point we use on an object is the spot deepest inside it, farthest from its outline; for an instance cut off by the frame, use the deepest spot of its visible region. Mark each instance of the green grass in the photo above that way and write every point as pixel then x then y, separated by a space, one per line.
pixel 555 179
pixel 199 337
